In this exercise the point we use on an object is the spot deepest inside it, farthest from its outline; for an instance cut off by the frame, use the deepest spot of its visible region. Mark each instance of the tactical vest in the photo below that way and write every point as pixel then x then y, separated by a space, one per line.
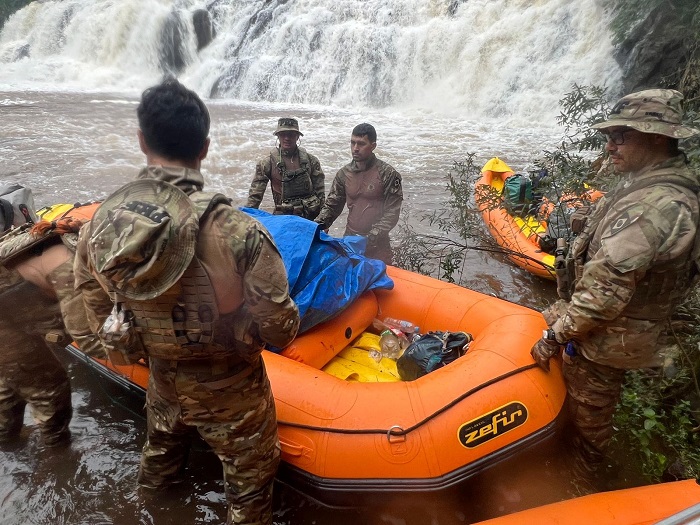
pixel 184 322
pixel 19 241
pixel 364 193
pixel 663 285
pixel 291 186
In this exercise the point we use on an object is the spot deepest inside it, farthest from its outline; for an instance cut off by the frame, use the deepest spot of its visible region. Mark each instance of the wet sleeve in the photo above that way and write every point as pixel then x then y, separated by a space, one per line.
pixel 393 197
pixel 335 202
pixel 74 313
pixel 318 179
pixel 258 186
pixel 266 290
pixel 601 295
pixel 97 302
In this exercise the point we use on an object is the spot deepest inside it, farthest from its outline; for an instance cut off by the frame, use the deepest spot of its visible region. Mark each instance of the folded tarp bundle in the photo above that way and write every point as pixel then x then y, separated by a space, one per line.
pixel 326 274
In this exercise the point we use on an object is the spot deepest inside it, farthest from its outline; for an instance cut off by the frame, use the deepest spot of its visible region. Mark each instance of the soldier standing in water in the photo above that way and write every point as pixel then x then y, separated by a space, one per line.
pixel 295 175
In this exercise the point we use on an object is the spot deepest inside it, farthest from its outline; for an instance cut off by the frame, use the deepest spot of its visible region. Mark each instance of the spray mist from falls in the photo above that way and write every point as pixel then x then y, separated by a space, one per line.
pixel 471 58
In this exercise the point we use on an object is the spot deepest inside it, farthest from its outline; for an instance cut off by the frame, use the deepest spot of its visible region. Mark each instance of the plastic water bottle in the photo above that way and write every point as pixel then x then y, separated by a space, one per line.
pixel 389 345
pixel 406 327
pixel 380 326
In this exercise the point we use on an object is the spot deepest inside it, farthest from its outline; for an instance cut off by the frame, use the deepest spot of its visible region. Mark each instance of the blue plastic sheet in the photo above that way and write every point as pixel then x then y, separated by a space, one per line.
pixel 326 274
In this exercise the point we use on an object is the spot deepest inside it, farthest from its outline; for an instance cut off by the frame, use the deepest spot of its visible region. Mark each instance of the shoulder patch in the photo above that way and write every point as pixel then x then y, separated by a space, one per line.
pixel 628 249
pixel 623 221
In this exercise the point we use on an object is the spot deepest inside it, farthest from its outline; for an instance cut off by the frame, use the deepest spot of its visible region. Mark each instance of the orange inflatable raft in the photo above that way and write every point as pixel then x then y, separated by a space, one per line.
pixel 348 438
pixel 518 236
pixel 674 503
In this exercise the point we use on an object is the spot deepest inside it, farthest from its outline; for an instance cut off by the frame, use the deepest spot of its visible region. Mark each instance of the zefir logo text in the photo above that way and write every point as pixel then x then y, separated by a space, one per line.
pixel 495 423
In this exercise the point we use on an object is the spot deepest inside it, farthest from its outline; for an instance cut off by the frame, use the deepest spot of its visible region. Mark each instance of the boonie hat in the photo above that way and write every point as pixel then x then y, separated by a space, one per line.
pixel 142 238
pixel 658 111
pixel 287 124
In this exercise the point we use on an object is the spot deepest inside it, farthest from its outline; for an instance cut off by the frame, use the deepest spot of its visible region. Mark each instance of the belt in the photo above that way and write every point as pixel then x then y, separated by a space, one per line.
pixel 213 366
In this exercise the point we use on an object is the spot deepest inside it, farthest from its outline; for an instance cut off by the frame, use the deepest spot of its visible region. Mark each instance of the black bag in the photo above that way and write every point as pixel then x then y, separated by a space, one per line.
pixel 430 352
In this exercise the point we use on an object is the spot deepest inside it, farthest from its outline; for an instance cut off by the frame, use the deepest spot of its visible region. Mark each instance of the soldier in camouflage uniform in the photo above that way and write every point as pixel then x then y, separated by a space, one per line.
pixel 203 287
pixel 628 268
pixel 37 303
pixel 373 192
pixel 296 176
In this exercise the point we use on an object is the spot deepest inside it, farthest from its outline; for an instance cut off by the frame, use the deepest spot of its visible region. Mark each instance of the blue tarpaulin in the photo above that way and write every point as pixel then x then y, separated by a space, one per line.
pixel 326 274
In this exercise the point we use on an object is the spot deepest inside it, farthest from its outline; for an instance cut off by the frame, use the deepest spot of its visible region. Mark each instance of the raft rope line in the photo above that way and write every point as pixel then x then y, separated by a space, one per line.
pixel 397 430
pixel 511 252
pixel 93 366
pixel 393 431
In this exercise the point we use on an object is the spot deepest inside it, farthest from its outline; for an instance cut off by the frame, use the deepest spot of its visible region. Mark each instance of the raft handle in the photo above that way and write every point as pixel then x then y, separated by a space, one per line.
pixel 392 433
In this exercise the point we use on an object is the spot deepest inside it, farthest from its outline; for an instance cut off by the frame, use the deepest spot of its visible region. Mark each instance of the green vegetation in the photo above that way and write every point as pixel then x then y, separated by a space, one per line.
pixel 7 7
pixel 459 226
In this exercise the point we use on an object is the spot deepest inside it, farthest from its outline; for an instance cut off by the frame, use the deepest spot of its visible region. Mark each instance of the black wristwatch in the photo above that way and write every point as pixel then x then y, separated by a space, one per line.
pixel 549 336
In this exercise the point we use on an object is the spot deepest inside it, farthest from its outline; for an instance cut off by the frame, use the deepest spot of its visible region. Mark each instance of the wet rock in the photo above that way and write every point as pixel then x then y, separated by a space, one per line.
pixel 203 28
pixel 454 5
pixel 21 52
pixel 172 56
pixel 655 52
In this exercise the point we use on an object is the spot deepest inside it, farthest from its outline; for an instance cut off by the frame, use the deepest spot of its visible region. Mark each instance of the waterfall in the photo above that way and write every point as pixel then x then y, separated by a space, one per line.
pixel 470 58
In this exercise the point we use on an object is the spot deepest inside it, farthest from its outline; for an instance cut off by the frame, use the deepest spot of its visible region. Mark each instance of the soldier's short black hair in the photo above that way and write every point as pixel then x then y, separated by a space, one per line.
pixel 364 129
pixel 174 120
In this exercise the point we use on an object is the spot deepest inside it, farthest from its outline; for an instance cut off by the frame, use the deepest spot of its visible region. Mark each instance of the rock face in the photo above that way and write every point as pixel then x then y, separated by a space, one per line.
pixel 172 57
pixel 203 28
pixel 655 52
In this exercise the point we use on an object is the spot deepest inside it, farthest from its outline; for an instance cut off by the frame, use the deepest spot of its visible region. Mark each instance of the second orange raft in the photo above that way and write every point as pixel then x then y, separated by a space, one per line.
pixel 519 236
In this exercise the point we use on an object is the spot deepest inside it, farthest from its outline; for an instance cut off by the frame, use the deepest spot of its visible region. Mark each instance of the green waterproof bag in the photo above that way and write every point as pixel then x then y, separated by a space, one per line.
pixel 517 195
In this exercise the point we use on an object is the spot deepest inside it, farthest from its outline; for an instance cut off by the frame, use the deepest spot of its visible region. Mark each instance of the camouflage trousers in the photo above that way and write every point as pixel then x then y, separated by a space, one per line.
pixel 593 392
pixel 30 374
pixel 230 405
pixel 42 383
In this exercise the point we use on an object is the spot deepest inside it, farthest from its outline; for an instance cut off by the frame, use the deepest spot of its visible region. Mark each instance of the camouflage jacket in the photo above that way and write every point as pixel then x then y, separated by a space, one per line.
pixel 240 258
pixel 637 266
pixel 393 197
pixel 263 174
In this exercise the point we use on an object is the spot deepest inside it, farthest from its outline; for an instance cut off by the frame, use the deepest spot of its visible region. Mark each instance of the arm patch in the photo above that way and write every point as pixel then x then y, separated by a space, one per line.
pixel 626 246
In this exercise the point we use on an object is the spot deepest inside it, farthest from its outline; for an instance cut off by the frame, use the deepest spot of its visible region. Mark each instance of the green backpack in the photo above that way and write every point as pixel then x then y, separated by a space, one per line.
pixel 517 195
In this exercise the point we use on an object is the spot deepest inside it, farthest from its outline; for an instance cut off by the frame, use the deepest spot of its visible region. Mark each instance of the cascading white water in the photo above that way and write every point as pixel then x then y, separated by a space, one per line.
pixel 468 58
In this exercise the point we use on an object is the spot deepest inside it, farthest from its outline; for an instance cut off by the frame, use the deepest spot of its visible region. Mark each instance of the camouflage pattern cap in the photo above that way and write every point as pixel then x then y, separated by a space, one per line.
pixel 287 124
pixel 142 238
pixel 658 111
